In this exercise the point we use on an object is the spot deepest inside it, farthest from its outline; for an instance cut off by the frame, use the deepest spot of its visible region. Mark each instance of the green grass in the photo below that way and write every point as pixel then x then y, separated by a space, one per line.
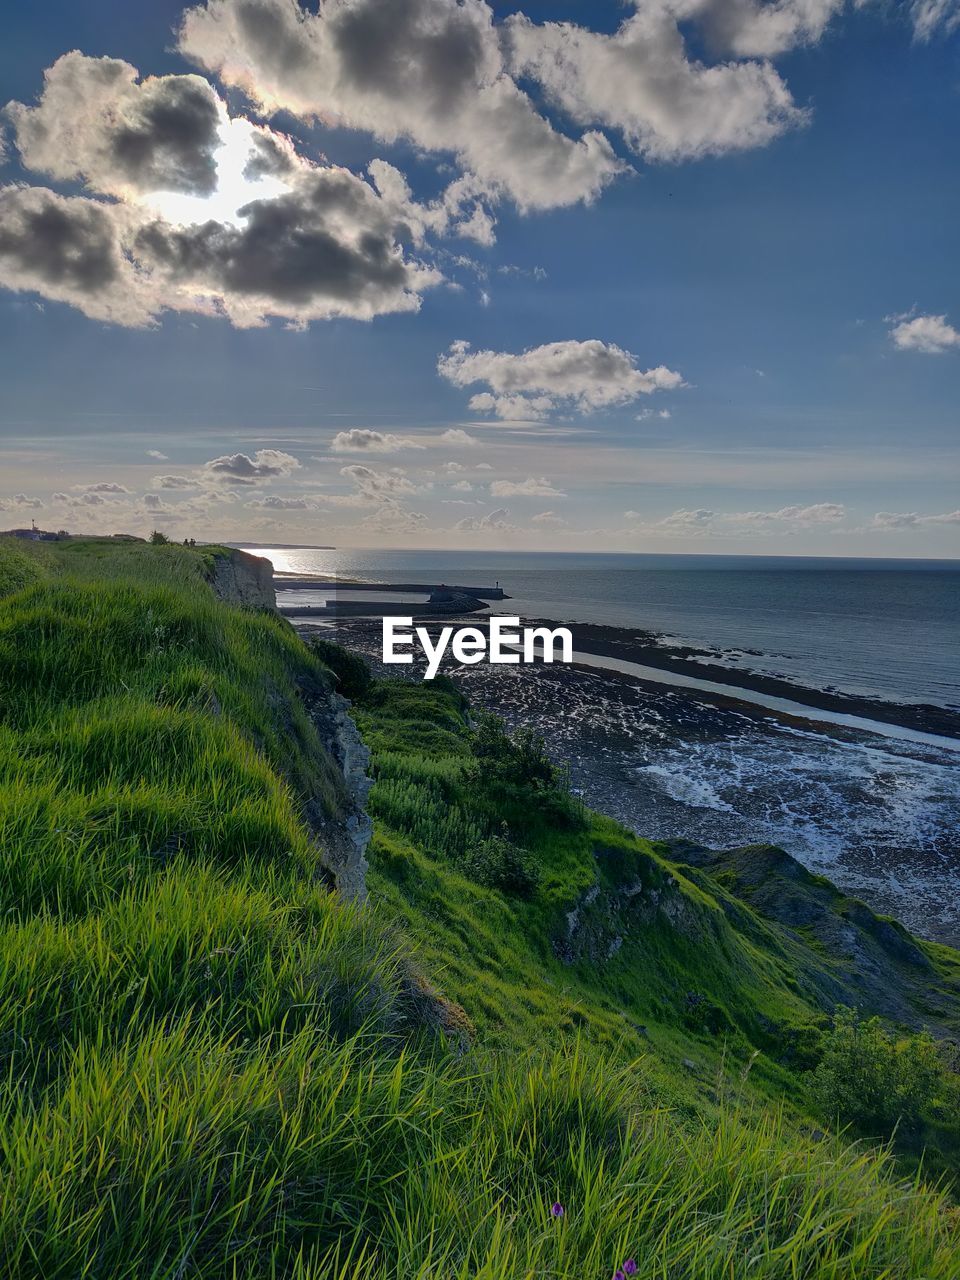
pixel 212 1067
pixel 665 960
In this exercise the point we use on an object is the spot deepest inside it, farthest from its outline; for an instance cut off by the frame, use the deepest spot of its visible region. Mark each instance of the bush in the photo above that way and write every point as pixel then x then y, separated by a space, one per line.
pixel 353 674
pixel 159 539
pixel 874 1080
pixel 18 569
pixel 498 863
pixel 521 760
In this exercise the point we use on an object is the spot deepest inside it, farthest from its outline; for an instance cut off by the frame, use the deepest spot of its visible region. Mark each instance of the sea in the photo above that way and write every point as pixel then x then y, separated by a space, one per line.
pixel 876 811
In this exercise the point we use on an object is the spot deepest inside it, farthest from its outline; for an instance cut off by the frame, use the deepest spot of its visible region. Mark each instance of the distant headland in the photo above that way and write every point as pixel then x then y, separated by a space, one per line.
pixel 280 546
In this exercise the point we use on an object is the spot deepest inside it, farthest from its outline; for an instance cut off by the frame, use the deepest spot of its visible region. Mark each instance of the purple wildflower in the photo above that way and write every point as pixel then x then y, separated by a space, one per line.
pixel 557 1209
pixel 629 1267
pixel 618 1275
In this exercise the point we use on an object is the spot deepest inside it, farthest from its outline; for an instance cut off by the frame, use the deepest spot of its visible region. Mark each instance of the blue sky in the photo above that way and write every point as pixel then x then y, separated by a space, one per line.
pixel 728 322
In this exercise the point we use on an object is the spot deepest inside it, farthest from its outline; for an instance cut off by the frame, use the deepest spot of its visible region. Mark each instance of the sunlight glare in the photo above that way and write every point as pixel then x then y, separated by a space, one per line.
pixel 234 188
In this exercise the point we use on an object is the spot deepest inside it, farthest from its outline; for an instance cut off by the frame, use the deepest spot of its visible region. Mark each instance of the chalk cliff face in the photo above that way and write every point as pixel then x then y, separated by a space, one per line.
pixel 344 840
pixel 242 579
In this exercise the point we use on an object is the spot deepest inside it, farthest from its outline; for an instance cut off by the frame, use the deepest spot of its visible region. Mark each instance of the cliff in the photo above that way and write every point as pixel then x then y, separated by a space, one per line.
pixel 239 578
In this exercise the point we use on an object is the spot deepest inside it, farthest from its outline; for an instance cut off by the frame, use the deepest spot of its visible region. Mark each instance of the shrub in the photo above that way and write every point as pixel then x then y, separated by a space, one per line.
pixel 353 674
pixel 874 1080
pixel 18 569
pixel 521 760
pixel 498 863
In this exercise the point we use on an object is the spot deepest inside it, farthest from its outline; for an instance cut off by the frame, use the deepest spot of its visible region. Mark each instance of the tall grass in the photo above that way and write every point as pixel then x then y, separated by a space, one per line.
pixel 176 1154
pixel 211 1067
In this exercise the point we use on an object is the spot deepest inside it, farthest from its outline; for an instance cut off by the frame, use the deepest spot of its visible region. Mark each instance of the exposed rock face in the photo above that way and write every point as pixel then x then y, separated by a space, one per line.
pixel 874 961
pixel 603 917
pixel 344 838
pixel 242 579
pixel 348 862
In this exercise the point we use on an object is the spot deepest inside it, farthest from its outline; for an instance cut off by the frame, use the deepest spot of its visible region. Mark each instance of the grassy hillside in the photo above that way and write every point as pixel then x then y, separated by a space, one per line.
pixel 732 975
pixel 213 1067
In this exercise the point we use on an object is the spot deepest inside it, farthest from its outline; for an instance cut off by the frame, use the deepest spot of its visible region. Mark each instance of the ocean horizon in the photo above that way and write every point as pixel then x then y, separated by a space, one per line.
pixel 800 619
pixel 876 811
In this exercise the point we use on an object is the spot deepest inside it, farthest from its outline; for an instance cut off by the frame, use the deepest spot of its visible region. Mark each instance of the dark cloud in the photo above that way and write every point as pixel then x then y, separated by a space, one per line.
pixel 271 156
pixel 239 468
pixel 442 45
pixel 364 440
pixel 325 248
pixel 69 249
pixel 171 145
pixel 62 242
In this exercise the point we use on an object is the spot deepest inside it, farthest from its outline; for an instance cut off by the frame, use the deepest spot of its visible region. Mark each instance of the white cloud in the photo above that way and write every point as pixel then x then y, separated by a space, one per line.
pixel 362 440
pixel 177 482
pixel 932 16
pixel 816 513
pixel 930 334
pixel 642 81
pixel 79 501
pixel 393 518
pixel 273 502
pixel 529 488
pixel 350 500
pixel 888 520
pixel 379 494
pixel 431 71
pixel 157 455
pixel 577 376
pixel 677 522
pixel 548 519
pixel 446 75
pixel 462 486
pixel 95 122
pixel 25 501
pixel 785 520
pixel 455 435
pixel 102 486
pixel 750 28
pixel 493 520
pixel 375 484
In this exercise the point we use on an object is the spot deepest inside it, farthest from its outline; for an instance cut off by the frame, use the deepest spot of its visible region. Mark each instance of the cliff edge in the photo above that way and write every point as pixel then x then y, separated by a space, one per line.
pixel 239 578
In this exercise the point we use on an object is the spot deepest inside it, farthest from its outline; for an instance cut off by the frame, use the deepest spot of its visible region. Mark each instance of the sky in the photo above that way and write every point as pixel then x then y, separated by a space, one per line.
pixel 661 275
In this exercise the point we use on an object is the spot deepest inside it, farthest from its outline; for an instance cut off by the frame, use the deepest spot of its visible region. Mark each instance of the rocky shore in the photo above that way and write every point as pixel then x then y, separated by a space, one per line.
pixel 877 815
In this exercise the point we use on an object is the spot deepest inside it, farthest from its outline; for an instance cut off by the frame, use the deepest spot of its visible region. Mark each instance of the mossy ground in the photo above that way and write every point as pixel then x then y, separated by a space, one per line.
pixel 213 1067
